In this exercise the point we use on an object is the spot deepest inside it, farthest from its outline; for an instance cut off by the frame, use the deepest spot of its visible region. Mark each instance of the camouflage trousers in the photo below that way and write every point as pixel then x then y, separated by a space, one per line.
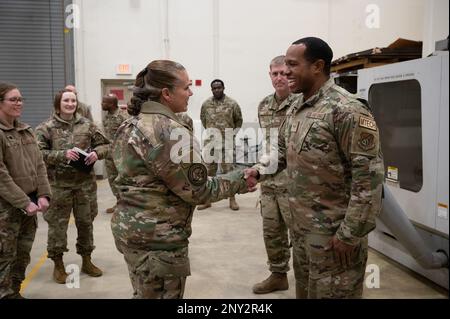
pixel 276 218
pixel 65 200
pixel 93 198
pixel 317 273
pixel 112 174
pixel 156 274
pixel 17 232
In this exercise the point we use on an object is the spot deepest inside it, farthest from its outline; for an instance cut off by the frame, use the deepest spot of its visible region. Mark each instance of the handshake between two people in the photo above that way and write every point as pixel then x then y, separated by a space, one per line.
pixel 251 176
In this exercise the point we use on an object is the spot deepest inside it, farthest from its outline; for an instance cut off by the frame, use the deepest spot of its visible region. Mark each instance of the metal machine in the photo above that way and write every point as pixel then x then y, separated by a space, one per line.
pixel 411 106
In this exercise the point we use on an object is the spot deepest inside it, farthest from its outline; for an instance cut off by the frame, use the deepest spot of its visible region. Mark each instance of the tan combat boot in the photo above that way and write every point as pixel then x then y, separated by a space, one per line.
pixel 276 281
pixel 89 268
pixel 204 206
pixel 59 272
pixel 233 204
pixel 111 210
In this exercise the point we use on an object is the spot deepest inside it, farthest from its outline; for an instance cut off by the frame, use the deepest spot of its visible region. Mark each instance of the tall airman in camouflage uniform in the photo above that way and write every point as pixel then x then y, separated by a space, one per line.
pixel 56 138
pixel 330 147
pixel 220 112
pixel 160 180
pixel 274 195
pixel 24 190
pixel 111 122
pixel 85 110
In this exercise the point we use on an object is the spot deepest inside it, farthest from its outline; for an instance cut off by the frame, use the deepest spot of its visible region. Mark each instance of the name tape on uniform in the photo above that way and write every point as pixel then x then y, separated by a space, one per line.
pixel 315 115
pixel 367 122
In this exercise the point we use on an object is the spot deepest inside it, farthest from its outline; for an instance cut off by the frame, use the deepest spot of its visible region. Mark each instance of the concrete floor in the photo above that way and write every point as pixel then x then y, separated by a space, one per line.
pixel 227 257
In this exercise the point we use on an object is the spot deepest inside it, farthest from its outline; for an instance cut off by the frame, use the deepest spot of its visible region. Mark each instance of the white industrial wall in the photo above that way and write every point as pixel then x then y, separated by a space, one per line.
pixel 230 39
pixel 436 24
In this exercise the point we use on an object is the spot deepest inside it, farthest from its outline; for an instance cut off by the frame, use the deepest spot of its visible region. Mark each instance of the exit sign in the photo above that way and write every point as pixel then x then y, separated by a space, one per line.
pixel 123 69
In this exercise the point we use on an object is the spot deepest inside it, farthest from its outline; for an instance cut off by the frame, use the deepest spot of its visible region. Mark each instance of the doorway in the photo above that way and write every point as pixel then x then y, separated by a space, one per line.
pixel 123 89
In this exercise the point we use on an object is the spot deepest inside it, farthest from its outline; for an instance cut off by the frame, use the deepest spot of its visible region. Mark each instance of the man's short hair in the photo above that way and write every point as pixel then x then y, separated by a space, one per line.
pixel 278 60
pixel 217 80
pixel 71 88
pixel 317 49
pixel 114 98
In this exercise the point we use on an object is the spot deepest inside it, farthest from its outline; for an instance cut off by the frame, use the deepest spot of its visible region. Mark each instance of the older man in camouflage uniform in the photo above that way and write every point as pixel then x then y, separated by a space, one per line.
pixel 220 112
pixel 330 146
pixel 111 122
pixel 274 195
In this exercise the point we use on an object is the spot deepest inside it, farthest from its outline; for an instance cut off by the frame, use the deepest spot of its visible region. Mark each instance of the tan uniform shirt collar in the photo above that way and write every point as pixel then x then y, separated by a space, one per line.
pixel 222 100
pixel 115 112
pixel 286 103
pixel 316 97
pixel 152 107
pixel 76 118
pixel 19 126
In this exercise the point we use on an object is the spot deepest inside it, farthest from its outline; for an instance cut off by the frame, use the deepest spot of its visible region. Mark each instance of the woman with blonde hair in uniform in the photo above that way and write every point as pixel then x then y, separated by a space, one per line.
pixel 59 139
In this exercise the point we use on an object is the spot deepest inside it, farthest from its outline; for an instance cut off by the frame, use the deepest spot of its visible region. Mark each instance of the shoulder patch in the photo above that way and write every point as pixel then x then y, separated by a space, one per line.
pixel 315 115
pixel 197 174
pixel 367 122
pixel 366 141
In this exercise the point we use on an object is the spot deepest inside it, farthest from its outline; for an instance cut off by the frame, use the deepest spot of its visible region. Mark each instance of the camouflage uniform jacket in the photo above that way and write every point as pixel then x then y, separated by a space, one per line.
pixel 84 110
pixel 112 121
pixel 158 194
pixel 330 146
pixel 271 115
pixel 56 136
pixel 22 169
pixel 221 114
pixel 186 119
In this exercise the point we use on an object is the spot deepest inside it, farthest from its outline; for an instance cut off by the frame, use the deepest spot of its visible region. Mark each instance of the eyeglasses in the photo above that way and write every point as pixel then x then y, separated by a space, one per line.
pixel 14 99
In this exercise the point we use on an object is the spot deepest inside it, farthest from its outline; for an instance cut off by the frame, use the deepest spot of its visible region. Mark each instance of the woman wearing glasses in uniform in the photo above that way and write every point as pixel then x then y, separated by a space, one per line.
pixel 24 191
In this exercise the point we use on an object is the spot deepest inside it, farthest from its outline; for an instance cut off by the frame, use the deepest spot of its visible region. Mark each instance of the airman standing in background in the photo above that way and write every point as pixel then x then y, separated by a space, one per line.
pixel 220 112
pixel 111 122
pixel 275 210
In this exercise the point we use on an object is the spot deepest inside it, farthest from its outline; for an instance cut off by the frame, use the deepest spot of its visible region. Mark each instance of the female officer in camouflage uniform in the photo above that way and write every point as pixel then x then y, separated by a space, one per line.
pixel 56 138
pixel 160 180
pixel 23 177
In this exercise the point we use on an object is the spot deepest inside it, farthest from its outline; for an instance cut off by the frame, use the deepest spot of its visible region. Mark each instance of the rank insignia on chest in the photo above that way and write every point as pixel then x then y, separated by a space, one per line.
pixel 366 141
pixel 315 115
pixel 367 122
pixel 197 174
pixel 295 126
